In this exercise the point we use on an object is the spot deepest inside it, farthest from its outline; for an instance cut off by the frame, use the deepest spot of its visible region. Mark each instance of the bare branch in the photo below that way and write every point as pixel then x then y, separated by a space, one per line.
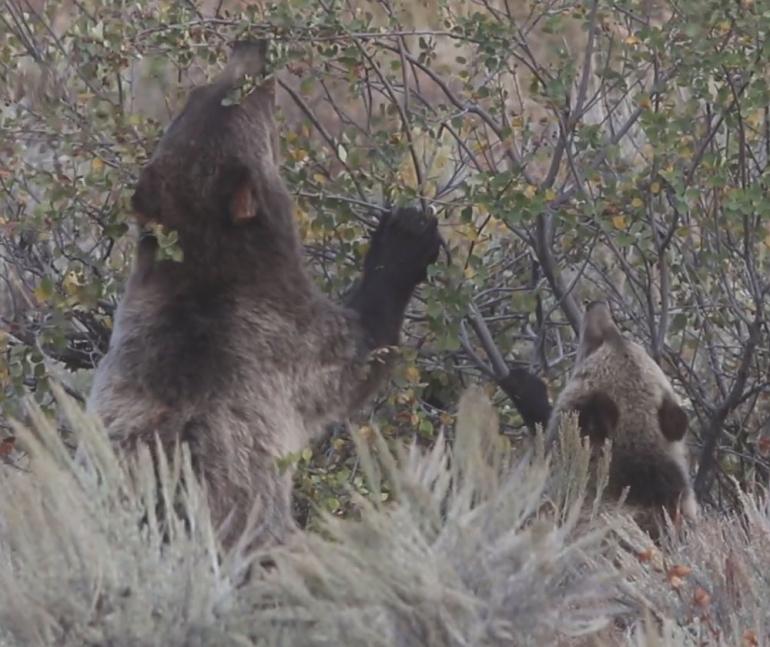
pixel 714 432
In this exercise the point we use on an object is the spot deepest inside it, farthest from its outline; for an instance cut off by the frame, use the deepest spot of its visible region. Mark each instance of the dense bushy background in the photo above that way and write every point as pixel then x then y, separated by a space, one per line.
pixel 572 149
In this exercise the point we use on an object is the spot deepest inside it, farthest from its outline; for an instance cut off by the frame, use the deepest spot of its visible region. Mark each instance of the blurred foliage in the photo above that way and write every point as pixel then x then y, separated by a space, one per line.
pixel 572 149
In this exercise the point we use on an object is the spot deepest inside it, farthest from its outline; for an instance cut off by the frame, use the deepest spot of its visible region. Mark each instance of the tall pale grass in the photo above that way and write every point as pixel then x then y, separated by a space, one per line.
pixel 477 548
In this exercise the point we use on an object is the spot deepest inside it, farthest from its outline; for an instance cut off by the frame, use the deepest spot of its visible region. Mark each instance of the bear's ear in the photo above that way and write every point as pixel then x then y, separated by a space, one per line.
pixel 243 204
pixel 672 419
pixel 238 191
pixel 597 416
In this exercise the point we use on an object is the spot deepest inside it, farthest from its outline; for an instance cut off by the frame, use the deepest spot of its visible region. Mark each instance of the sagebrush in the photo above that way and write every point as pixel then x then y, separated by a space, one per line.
pixel 475 548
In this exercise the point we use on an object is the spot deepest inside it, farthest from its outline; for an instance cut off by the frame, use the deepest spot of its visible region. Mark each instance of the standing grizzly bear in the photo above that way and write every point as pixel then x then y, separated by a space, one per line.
pixel 233 350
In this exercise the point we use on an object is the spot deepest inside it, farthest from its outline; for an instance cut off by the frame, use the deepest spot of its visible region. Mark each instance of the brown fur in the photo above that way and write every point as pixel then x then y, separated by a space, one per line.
pixel 620 393
pixel 233 350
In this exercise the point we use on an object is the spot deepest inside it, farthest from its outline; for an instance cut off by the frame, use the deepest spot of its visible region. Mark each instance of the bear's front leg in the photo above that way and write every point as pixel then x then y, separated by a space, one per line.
pixel 404 244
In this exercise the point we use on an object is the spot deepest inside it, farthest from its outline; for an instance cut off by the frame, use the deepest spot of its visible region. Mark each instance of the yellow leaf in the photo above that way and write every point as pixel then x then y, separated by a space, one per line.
pixel 412 374
pixel 405 396
pixel 366 433
pixel 299 154
pixel 631 40
pixel 756 118
pixel 550 195
pixel 439 162
pixel 361 247
pixel 655 188
pixel 97 165
pixel 480 148
pixel 767 241
pixel 530 191
pixel 637 203
pixel 645 103
pixel 71 283
pixel 41 294
pixel 469 272
pixel 619 222
pixel 319 179
pixel 406 172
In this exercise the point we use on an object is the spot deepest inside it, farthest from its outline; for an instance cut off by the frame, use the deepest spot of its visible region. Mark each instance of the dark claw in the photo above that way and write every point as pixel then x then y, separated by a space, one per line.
pixel 405 243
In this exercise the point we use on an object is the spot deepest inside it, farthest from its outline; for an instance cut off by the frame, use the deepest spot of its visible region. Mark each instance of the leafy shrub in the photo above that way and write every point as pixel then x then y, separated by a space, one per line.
pixel 571 149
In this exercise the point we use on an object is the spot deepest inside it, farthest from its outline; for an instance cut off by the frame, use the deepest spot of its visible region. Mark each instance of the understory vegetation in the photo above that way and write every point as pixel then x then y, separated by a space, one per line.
pixel 572 149
pixel 477 547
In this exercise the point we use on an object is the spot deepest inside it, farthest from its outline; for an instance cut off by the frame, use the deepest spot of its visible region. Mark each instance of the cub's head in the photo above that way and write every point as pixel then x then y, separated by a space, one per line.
pixel 217 162
pixel 596 329
pixel 621 394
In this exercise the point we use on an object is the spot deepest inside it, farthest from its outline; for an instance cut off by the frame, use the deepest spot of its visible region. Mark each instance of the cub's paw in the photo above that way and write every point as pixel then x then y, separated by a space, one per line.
pixel 404 244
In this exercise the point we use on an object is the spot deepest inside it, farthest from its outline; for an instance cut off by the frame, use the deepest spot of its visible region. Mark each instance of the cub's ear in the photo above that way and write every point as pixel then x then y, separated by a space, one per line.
pixel 672 419
pixel 597 416
pixel 597 327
